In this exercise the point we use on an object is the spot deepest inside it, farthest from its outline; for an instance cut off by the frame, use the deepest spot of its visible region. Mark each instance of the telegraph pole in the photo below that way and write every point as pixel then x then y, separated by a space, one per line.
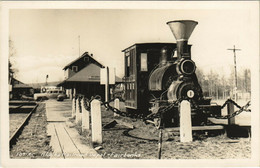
pixel 235 65
pixel 107 85
pixel 47 76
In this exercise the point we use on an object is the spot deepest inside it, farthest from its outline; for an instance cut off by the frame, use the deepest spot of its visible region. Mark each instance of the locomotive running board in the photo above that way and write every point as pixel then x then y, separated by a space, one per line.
pixel 197 128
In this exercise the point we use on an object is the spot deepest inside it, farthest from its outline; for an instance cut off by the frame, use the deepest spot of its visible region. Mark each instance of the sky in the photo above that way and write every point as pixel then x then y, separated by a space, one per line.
pixel 46 40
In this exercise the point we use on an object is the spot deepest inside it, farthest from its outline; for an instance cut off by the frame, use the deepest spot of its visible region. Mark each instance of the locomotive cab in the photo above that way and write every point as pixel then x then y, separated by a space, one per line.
pixel 140 60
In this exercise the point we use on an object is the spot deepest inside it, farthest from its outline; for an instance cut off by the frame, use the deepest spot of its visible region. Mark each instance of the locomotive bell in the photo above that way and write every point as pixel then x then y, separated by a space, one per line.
pixel 182 30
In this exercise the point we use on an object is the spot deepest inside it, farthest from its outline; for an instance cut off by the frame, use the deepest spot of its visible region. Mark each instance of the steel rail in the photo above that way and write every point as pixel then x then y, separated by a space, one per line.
pixel 18 131
pixel 16 108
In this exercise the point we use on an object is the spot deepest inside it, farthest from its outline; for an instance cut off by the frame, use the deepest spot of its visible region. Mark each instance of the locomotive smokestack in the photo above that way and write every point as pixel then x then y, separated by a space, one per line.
pixel 182 30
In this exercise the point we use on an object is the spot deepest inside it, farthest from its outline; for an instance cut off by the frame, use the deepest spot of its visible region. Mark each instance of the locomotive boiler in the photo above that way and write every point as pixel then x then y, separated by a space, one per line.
pixel 159 74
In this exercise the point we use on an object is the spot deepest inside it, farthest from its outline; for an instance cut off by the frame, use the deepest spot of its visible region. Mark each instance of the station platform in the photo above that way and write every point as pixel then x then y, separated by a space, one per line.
pixel 58 111
pixel 65 141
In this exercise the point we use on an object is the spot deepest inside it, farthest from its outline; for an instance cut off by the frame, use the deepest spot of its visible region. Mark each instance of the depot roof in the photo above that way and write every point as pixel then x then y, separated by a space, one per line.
pixel 80 60
pixel 90 73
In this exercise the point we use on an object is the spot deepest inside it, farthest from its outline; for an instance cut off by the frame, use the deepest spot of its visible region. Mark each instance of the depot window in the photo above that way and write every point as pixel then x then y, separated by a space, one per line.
pixel 127 63
pixel 75 68
pixel 86 59
pixel 131 70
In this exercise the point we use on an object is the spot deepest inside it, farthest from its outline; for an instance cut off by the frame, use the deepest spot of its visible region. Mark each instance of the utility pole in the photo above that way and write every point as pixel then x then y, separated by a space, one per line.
pixel 107 85
pixel 234 51
pixel 47 76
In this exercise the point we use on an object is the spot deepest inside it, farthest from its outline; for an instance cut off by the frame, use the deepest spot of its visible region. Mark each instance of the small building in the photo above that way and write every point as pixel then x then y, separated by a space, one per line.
pixel 20 89
pixel 82 76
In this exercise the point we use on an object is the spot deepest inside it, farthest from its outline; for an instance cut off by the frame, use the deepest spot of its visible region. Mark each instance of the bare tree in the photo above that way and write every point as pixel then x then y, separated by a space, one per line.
pixel 11 61
pixel 217 85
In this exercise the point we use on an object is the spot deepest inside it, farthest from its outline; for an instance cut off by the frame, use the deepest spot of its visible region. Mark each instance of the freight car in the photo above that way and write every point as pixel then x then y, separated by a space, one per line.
pixel 159 74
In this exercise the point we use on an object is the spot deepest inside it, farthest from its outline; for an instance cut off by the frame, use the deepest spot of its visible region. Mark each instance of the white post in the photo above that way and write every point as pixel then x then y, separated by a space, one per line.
pixel 78 114
pixel 85 117
pixel 185 122
pixel 96 123
pixel 73 108
pixel 74 92
pixel 116 105
pixel 70 94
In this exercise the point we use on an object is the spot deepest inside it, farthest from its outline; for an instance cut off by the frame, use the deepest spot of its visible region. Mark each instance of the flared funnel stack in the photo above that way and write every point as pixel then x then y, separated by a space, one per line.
pixel 182 30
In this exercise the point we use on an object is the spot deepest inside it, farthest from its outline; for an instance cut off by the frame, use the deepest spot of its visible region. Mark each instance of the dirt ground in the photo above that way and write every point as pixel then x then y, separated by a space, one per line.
pixel 121 142
pixel 33 142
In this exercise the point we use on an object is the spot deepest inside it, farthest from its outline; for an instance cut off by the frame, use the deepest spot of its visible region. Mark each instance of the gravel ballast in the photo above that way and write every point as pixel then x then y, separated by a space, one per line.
pixel 33 143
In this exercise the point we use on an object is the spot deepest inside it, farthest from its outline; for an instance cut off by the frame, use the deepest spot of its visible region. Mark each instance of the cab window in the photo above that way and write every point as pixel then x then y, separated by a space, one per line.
pixel 143 62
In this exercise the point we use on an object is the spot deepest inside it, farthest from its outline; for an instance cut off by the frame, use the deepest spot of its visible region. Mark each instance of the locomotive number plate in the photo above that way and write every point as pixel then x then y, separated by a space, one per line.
pixel 190 93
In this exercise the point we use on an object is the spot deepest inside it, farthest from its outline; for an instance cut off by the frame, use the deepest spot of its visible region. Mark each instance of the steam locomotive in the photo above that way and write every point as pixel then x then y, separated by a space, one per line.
pixel 158 74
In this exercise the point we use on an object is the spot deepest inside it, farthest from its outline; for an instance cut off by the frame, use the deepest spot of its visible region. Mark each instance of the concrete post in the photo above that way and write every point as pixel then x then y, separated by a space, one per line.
pixel 74 92
pixel 116 105
pixel 185 122
pixel 78 114
pixel 230 110
pixel 85 116
pixel 73 108
pixel 70 94
pixel 96 123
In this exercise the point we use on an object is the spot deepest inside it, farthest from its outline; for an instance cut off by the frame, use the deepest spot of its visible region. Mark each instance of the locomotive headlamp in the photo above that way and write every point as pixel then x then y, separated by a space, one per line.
pixel 186 67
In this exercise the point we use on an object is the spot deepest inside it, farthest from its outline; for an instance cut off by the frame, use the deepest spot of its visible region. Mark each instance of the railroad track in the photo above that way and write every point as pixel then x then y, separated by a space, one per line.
pixel 18 131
